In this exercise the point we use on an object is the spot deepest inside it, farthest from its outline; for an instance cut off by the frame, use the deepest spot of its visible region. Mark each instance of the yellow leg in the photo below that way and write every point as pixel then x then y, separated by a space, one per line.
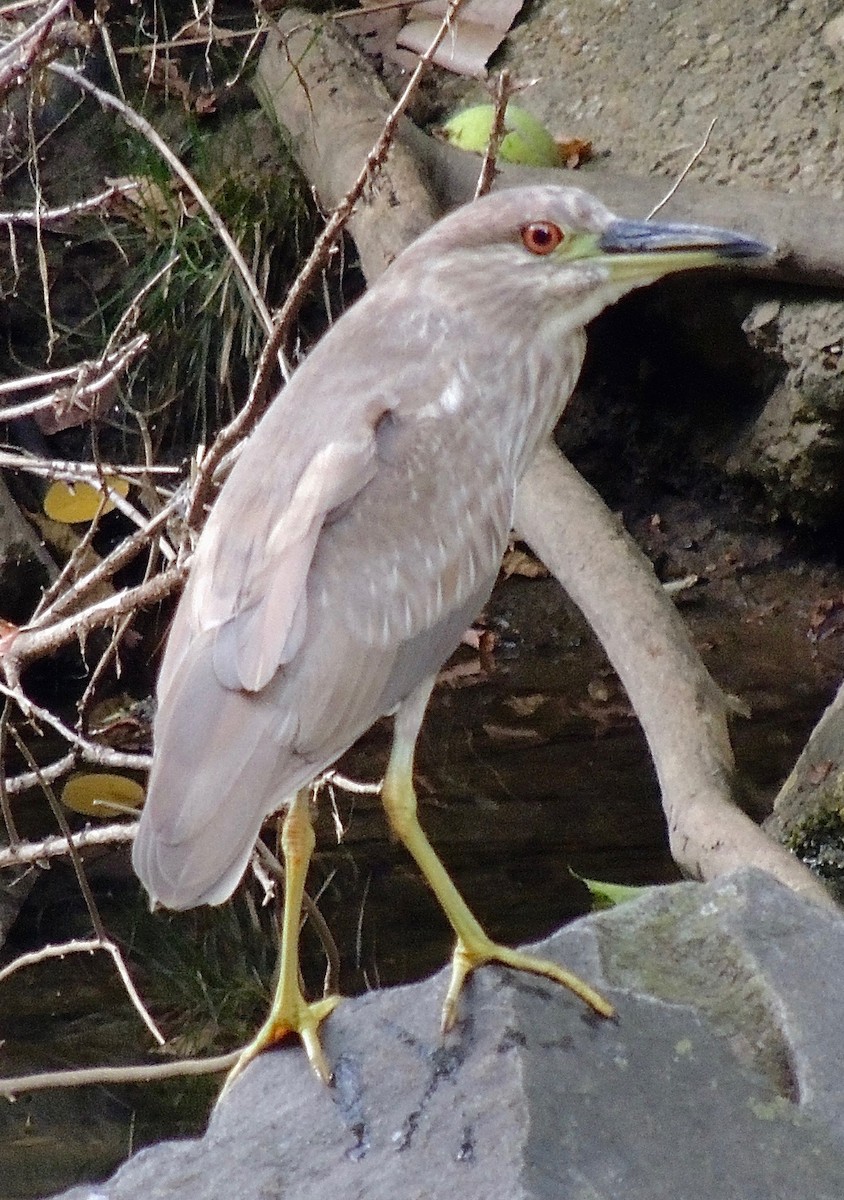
pixel 474 948
pixel 290 1012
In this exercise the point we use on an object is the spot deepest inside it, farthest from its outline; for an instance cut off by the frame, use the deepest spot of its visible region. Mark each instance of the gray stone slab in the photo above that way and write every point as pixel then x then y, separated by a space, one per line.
pixel 724 1090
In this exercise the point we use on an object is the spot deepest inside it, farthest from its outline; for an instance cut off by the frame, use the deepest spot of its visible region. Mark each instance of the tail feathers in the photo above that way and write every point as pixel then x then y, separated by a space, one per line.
pixel 180 876
pixel 219 770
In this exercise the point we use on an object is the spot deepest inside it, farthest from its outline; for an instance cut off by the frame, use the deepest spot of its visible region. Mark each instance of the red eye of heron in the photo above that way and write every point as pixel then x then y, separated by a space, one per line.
pixel 542 237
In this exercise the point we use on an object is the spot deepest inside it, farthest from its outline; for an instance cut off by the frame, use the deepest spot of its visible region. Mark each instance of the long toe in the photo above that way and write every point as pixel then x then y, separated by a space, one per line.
pixel 477 952
pixel 303 1021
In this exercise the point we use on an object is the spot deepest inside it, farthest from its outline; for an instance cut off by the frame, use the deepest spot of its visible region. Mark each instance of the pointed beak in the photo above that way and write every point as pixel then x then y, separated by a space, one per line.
pixel 652 237
pixel 650 248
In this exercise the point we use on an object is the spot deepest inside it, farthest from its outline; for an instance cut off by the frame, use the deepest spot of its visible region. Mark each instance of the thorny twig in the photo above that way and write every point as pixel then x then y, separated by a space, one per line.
pixel 503 91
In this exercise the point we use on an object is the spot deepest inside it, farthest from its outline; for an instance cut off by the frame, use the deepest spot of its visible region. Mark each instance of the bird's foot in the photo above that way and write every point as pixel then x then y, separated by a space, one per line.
pixel 468 956
pixel 295 1017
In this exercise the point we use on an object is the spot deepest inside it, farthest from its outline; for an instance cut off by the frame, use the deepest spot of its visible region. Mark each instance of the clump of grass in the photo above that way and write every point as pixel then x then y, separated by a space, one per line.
pixel 206 974
pixel 205 334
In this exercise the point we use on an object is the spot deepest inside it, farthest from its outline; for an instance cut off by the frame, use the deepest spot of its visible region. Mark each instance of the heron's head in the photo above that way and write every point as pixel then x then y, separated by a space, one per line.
pixel 557 249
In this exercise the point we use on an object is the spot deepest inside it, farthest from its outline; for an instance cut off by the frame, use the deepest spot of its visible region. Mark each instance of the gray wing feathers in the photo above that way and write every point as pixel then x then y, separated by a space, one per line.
pixel 255 560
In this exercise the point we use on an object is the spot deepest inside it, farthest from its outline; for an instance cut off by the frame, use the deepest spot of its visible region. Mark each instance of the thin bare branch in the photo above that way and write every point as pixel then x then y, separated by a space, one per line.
pixel 503 91
pixel 15 784
pixel 31 32
pixel 35 643
pixel 64 212
pixel 119 558
pixel 27 853
pixel 19 53
pixel 76 472
pixel 87 381
pixel 84 946
pixel 351 785
pixel 91 752
pixel 675 185
pixel 112 1075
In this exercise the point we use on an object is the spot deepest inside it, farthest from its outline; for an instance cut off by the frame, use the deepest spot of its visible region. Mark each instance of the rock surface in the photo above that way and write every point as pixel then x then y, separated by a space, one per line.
pixel 809 810
pixel 720 1080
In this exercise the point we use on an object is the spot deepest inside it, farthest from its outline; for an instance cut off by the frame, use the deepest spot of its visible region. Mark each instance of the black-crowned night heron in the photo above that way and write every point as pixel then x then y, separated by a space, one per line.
pixel 359 535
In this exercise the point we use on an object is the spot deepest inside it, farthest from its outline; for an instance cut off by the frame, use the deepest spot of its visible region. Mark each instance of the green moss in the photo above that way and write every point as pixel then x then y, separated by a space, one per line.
pixel 818 840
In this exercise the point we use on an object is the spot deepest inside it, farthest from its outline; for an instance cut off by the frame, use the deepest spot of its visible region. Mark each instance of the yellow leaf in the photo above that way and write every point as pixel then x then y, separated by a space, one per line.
pixel 101 794
pixel 71 503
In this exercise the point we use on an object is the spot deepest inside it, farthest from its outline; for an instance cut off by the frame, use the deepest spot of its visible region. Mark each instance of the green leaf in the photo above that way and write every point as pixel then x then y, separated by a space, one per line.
pixel 608 895
pixel 526 141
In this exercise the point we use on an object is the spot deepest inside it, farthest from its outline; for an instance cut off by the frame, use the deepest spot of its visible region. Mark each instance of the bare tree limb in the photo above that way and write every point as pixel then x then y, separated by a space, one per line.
pixel 681 709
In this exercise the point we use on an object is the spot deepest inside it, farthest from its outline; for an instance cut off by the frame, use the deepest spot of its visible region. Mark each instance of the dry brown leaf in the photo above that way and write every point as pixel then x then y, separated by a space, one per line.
pixel 523 563
pixel 163 74
pixel 69 408
pixel 574 151
pixel 205 102
pixel 826 619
